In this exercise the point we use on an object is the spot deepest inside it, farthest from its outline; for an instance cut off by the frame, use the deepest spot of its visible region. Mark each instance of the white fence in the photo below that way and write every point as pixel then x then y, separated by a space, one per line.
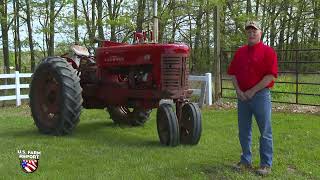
pixel 205 92
pixel 17 86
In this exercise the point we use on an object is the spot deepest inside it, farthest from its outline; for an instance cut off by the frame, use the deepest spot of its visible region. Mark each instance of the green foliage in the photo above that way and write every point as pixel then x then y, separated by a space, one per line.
pixel 296 18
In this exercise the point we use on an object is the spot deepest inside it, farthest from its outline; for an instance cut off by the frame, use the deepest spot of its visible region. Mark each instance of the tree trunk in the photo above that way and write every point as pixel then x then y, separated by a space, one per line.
pixel 198 33
pixel 287 46
pixel 46 39
pixel 51 28
pixel 75 17
pixel 30 38
pixel 15 34
pixel 289 27
pixel 5 39
pixel 113 11
pixel 315 28
pixel 257 7
pixel 272 30
pixel 17 42
pixel 86 15
pixel 112 18
pixel 174 21
pixel 191 62
pixel 263 19
pixel 140 15
pixel 18 36
pixel 161 22
pixel 248 10
pixel 93 20
pixel 234 16
pixel 295 38
pixel 99 20
pixel 208 34
pixel 282 29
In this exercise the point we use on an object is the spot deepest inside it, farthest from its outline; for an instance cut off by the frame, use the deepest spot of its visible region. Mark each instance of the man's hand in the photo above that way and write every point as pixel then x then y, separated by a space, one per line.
pixel 262 84
pixel 249 93
pixel 241 95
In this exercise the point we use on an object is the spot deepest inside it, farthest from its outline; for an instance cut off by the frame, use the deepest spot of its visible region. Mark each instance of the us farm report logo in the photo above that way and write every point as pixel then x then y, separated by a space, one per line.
pixel 29 160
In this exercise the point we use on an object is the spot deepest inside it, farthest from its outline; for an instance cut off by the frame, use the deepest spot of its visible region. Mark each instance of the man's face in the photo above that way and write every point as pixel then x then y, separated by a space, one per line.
pixel 253 35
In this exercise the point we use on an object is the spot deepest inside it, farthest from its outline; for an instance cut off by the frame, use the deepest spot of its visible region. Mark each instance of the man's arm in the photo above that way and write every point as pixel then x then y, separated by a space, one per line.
pixel 240 94
pixel 262 84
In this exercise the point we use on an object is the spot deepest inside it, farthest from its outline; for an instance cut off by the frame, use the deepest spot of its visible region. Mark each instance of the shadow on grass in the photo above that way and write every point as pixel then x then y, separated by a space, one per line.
pixel 224 171
pixel 27 133
pixel 100 132
pixel 217 171
pixel 113 134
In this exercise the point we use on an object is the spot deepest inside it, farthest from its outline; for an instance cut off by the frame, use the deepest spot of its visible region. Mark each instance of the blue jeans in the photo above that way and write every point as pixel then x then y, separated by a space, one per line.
pixel 260 107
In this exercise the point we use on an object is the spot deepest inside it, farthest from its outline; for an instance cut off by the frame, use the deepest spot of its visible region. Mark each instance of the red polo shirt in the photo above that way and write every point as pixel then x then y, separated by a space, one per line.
pixel 251 63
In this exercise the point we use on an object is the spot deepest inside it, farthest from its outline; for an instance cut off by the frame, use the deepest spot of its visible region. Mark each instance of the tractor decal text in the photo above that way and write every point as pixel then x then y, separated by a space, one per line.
pixel 114 59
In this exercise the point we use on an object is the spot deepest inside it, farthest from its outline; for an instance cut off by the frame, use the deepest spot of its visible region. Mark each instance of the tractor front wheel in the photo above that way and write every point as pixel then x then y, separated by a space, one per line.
pixel 55 96
pixel 167 125
pixel 190 124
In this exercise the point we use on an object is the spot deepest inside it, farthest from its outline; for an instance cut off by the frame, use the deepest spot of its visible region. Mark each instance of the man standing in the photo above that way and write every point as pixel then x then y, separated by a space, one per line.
pixel 253 70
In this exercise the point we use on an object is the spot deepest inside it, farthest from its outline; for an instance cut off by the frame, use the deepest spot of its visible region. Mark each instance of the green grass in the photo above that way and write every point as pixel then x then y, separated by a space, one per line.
pixel 100 150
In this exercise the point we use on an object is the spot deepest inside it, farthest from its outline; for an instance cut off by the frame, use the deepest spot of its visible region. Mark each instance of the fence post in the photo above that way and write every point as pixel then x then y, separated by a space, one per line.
pixel 217 60
pixel 18 98
pixel 209 89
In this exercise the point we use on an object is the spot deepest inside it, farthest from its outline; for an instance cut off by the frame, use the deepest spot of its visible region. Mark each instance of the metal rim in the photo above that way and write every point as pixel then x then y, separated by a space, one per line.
pixel 190 124
pixel 126 110
pixel 48 95
pixel 187 126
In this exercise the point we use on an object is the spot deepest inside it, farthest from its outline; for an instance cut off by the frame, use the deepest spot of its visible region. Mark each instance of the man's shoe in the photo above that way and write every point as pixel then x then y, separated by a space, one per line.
pixel 241 166
pixel 264 170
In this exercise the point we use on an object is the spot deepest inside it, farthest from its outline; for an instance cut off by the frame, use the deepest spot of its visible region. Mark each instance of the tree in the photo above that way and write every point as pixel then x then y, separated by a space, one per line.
pixel 196 52
pixel 53 15
pixel 99 20
pixel 28 11
pixel 91 28
pixel 140 14
pixel 75 19
pixel 113 13
pixel 316 16
pixel 4 30
pixel 16 31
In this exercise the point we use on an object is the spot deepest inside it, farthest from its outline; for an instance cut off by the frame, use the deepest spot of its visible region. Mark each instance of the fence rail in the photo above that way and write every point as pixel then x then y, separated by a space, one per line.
pixel 290 62
pixel 206 92
pixel 17 86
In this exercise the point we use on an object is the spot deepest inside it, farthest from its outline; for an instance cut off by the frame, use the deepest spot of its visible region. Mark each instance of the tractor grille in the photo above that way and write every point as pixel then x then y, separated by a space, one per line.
pixel 174 72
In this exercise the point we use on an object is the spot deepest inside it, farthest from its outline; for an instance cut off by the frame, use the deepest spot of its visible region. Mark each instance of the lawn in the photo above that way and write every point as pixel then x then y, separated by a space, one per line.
pixel 98 149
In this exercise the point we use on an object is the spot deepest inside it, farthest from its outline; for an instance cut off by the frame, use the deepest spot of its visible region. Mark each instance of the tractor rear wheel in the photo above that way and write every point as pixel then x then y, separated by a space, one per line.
pixel 167 125
pixel 190 124
pixel 128 116
pixel 55 96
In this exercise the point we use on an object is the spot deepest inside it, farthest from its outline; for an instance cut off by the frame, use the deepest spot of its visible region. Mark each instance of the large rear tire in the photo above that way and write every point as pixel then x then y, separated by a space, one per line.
pixel 128 116
pixel 55 96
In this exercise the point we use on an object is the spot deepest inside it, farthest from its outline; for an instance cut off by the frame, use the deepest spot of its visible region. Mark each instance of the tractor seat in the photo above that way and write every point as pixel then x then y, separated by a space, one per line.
pixel 80 50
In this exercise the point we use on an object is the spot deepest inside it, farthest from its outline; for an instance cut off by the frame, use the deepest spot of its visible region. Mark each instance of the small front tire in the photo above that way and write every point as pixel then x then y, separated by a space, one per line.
pixel 167 125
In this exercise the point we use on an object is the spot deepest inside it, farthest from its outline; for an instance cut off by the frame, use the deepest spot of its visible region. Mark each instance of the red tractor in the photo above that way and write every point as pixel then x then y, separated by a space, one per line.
pixel 129 80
